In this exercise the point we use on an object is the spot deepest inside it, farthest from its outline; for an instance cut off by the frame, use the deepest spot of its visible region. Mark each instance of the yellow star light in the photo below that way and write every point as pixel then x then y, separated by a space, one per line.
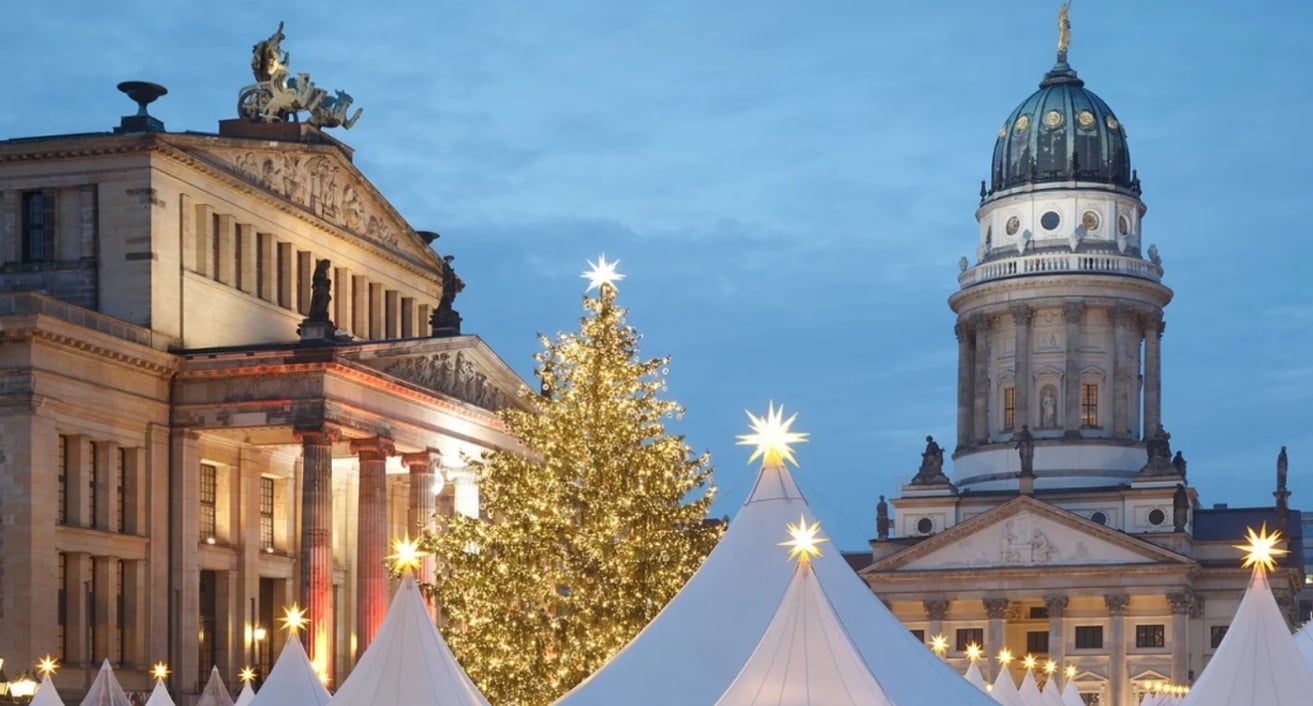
pixel 47 666
pixel 1005 656
pixel 294 619
pixel 804 540
pixel 1261 549
pixel 1050 667
pixel 939 644
pixel 406 554
pixel 602 273
pixel 771 436
pixel 974 653
pixel 246 675
pixel 159 671
pixel 1071 671
pixel 1029 662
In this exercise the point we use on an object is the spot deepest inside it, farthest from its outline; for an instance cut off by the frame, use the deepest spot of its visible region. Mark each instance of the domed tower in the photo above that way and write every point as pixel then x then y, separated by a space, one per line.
pixel 1059 320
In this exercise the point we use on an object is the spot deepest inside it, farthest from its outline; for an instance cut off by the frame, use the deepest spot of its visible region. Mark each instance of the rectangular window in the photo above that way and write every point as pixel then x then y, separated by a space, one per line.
pixel 1091 698
pixel 120 492
pixel 918 634
pixel 1037 642
pixel 1215 635
pixel 61 512
pixel 1039 612
pixel 92 627
pixel 1149 636
pixel 61 607
pixel 1089 637
pixel 282 276
pixel 1089 405
pixel 119 616
pixel 93 478
pixel 209 495
pixel 267 514
pixel 215 250
pixel 237 257
pixel 1009 407
pixel 969 636
pixel 38 243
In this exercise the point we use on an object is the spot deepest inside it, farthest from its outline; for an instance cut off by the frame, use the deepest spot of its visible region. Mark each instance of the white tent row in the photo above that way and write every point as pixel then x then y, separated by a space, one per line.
pixel 46 695
pixel 292 681
pixel 1304 642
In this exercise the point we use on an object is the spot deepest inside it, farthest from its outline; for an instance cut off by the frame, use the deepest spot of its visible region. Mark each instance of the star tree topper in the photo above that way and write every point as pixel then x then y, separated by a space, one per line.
pixel 804 542
pixel 602 273
pixel 406 554
pixel 771 436
pixel 1261 548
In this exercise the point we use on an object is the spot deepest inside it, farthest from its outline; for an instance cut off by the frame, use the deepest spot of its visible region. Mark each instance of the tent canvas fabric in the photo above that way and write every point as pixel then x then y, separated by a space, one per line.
pixel 159 696
pixel 1052 694
pixel 105 690
pixel 1005 690
pixel 246 696
pixel 46 694
pixel 709 630
pixel 215 692
pixel 292 681
pixel 1029 691
pixel 408 663
pixel 973 676
pixel 806 658
pixel 1071 696
pixel 1304 642
pixel 1257 663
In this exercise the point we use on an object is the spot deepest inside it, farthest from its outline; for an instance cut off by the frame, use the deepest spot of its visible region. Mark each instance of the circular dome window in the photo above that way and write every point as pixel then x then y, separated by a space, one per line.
pixel 1157 517
pixel 1100 518
pixel 1022 123
pixel 1053 119
pixel 1014 225
pixel 925 525
pixel 1050 220
pixel 1085 119
pixel 1090 220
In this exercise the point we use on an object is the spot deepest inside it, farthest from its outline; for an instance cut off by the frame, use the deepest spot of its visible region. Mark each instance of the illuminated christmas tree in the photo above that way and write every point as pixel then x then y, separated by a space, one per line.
pixel 589 531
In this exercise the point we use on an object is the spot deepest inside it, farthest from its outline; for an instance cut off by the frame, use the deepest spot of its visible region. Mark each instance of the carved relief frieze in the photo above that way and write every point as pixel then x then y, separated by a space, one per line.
pixel 451 374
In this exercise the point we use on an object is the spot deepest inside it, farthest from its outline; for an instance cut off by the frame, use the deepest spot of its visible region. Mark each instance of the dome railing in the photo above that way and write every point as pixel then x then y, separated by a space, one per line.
pixel 1056 263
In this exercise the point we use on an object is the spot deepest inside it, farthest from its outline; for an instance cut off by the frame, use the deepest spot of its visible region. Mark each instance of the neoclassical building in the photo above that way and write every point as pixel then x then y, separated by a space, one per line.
pixel 231 372
pixel 1067 529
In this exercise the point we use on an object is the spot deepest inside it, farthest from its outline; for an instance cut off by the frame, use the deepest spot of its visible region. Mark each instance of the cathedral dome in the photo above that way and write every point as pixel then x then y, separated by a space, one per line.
pixel 1062 132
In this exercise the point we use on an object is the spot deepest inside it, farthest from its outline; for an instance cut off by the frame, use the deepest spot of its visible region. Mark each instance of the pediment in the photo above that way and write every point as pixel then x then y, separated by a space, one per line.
pixel 461 367
pixel 1025 534
pixel 321 182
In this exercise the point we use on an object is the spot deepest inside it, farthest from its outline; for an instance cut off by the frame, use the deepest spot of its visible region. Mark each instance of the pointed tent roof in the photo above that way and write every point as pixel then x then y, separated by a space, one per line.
pixel 1070 695
pixel 159 696
pixel 973 676
pixel 246 696
pixel 1005 690
pixel 408 663
pixel 105 690
pixel 1029 691
pixel 805 657
pixel 710 629
pixel 215 692
pixel 46 694
pixel 292 681
pixel 1257 662
pixel 1052 694
pixel 1304 641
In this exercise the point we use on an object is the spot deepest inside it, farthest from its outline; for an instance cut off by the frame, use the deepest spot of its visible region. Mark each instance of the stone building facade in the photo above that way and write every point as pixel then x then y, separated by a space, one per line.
pixel 1067 528
pixel 177 462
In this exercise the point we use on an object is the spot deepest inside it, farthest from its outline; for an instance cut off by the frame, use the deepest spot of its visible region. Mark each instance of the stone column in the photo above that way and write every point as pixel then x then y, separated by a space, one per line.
pixel 980 408
pixel 1021 316
pixel 423 498
pixel 1153 380
pixel 1121 390
pixel 936 610
pixel 316 556
pixel 184 605
pixel 1117 679
pixel 965 365
pixel 104 609
pixel 29 571
pixel 1057 606
pixel 371 538
pixel 1181 603
pixel 1072 312
pixel 996 609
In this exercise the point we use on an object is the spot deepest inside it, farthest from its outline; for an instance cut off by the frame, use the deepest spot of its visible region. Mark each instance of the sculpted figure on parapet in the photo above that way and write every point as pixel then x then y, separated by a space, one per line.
pixel 932 465
pixel 276 96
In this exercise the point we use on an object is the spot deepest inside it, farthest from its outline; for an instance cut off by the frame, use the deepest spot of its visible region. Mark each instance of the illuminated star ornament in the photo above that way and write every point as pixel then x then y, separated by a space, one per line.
pixel 247 675
pixel 160 671
pixel 771 436
pixel 406 554
pixel 974 653
pixel 803 544
pixel 1050 667
pixel 602 273
pixel 939 645
pixel 1261 549
pixel 1071 671
pixel 294 619
pixel 1029 662
pixel 1005 656
pixel 47 666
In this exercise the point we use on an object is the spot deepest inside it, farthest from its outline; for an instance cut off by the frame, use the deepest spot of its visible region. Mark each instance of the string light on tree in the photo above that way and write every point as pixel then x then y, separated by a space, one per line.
pixel 1261 550
pixel 803 543
pixel 772 437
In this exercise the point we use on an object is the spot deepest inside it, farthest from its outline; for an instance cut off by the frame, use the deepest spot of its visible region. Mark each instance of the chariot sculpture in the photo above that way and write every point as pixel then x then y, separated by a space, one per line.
pixel 277 96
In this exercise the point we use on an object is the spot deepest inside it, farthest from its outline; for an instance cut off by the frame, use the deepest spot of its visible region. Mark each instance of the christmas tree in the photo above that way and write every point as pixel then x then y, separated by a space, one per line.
pixel 588 530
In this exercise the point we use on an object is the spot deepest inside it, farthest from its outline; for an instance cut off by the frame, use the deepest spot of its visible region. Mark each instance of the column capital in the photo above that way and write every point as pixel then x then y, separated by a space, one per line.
pixel 1181 602
pixel 1057 605
pixel 1116 603
pixel 963 329
pixel 373 448
pixel 1072 311
pixel 319 435
pixel 1122 313
pixel 1196 609
pixel 1151 321
pixel 995 607
pixel 935 608
pixel 1022 314
pixel 429 459
pixel 982 322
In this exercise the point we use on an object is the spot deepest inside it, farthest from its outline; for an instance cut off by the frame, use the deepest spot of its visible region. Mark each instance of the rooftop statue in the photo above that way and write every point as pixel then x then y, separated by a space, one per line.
pixel 276 96
pixel 1064 30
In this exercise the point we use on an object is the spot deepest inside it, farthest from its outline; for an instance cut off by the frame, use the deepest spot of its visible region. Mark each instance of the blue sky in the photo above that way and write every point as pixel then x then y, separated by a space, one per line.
pixel 788 187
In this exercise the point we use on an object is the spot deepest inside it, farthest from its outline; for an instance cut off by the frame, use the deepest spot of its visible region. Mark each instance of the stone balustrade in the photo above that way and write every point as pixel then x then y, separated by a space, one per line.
pixel 1047 263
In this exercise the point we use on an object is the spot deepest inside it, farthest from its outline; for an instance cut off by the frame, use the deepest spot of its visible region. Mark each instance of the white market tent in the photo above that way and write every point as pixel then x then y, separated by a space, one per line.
pixel 1304 642
pixel 105 690
pixel 159 696
pixel 1005 690
pixel 246 696
pixel 973 675
pixel 1029 691
pixel 1070 695
pixel 1257 663
pixel 1052 694
pixel 693 650
pixel 46 694
pixel 292 681
pixel 408 663
pixel 215 692
pixel 805 658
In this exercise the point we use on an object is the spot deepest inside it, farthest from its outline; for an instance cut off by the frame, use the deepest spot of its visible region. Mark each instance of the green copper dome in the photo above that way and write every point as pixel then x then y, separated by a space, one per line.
pixel 1062 132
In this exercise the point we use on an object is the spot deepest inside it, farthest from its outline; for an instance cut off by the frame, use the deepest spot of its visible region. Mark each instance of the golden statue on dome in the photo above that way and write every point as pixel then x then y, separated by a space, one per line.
pixel 1064 31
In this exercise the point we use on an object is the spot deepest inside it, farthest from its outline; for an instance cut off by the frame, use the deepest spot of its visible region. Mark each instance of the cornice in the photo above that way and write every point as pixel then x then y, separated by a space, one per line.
pixel 1004 289
pixel 30 334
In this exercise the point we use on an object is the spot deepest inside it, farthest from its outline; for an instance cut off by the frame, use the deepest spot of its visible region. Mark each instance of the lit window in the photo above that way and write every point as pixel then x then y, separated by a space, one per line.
pixel 61 512
pixel 1089 405
pixel 209 494
pixel 120 493
pixel 267 514
pixel 1009 407
pixel 62 609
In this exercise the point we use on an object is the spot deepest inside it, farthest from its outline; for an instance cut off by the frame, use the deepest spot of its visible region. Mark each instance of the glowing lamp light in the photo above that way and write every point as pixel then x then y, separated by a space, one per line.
pixel 1261 550
pixel 939 645
pixel 406 554
pixel 602 273
pixel 260 634
pixel 47 666
pixel 247 675
pixel 22 688
pixel 771 436
pixel 1029 662
pixel 974 653
pixel 803 544
pixel 209 541
pixel 1050 667
pixel 160 671
pixel 323 675
pixel 1005 657
pixel 294 619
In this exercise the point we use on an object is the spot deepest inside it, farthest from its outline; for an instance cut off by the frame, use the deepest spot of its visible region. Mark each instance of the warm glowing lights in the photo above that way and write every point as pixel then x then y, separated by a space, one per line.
pixel 1050 667
pixel 602 273
pixel 294 619
pixel 47 666
pixel 1071 671
pixel 803 544
pixel 1005 657
pixel 1029 662
pixel 247 675
pixel 260 633
pixel 1261 549
pixel 322 674
pixel 406 554
pixel 771 436
pixel 939 645
pixel 160 671
pixel 974 653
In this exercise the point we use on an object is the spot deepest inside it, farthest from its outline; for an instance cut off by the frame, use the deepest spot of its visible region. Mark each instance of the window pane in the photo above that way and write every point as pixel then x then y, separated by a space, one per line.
pixel 1089 637
pixel 1009 405
pixel 209 476
pixel 970 636
pixel 1089 405
pixel 61 512
pixel 1037 642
